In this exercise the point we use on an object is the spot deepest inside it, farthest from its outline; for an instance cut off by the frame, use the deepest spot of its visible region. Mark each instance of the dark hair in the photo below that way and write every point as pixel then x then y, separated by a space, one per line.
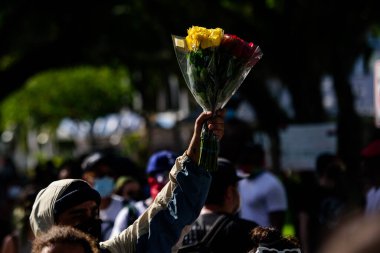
pixel 72 167
pixel 64 235
pixel 329 165
pixel 252 154
pixel 224 177
pixel 271 237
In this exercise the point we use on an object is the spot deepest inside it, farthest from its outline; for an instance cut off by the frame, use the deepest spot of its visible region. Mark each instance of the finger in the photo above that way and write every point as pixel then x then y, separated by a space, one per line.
pixel 216 127
pixel 216 124
pixel 221 112
pixel 218 120
pixel 218 133
pixel 203 116
pixel 201 119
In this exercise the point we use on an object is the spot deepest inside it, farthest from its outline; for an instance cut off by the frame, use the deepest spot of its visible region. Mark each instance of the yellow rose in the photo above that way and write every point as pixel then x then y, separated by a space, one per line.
pixel 201 37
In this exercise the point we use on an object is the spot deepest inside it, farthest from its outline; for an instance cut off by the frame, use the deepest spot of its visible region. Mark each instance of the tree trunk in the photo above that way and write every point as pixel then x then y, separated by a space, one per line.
pixel 348 129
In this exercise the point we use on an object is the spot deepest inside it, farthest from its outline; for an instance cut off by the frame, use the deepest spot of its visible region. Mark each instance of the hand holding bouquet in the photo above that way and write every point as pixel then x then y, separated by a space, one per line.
pixel 214 66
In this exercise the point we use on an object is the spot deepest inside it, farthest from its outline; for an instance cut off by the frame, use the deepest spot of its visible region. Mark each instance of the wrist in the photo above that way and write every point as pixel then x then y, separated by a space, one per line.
pixel 193 151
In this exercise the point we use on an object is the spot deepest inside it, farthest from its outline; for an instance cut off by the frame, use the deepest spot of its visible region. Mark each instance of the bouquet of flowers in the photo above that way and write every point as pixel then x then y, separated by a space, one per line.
pixel 214 66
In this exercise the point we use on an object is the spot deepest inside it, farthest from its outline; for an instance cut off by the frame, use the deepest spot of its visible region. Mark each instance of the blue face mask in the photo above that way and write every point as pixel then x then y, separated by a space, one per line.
pixel 104 186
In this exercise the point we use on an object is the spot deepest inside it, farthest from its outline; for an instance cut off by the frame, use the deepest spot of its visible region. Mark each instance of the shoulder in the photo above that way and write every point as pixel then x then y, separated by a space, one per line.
pixel 264 179
pixel 241 225
pixel 236 235
pixel 269 175
pixel 272 178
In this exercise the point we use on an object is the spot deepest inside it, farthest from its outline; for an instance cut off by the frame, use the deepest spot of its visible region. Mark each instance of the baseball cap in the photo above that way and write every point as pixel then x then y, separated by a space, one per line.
pixel 226 173
pixel 371 150
pixel 222 178
pixel 161 161
pixel 92 160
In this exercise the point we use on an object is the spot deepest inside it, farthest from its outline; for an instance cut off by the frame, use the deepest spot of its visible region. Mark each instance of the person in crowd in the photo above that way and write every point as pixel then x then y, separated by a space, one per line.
pixel 263 195
pixel 129 188
pixel 73 202
pixel 69 169
pixel 98 172
pixel 370 168
pixel 44 173
pixel 223 201
pixel 323 202
pixel 158 168
pixel 19 241
pixel 64 239
pixel 270 239
pixel 9 189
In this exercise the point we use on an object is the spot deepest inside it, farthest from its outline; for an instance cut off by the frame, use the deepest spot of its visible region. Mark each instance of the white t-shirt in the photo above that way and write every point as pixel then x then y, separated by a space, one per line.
pixel 373 201
pixel 260 196
pixel 109 214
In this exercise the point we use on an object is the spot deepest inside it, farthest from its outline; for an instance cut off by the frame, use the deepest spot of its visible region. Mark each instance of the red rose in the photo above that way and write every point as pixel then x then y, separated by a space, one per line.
pixel 237 47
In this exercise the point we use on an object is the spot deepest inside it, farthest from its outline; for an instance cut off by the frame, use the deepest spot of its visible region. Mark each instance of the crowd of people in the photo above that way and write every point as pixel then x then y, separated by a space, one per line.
pixel 103 203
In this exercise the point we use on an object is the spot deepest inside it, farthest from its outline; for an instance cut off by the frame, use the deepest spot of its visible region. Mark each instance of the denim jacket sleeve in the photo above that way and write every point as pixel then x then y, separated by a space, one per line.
pixel 175 208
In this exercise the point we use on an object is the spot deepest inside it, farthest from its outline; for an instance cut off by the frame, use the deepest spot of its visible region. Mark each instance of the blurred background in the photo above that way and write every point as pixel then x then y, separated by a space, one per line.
pixel 79 76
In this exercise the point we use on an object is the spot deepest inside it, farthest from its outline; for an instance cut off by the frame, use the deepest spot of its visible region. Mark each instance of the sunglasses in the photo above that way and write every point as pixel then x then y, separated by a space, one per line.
pixel 261 249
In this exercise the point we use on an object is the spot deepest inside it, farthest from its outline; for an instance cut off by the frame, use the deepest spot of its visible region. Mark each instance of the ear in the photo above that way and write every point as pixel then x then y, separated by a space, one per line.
pixel 229 195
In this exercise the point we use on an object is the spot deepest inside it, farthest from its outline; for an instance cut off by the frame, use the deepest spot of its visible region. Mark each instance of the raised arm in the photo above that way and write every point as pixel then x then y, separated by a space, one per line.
pixel 178 204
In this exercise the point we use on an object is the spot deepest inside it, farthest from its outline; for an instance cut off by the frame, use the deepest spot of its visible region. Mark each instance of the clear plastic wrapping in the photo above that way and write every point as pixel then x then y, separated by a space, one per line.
pixel 214 65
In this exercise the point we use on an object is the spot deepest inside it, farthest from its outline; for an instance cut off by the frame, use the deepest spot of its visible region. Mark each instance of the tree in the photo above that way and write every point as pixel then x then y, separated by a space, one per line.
pixel 307 39
pixel 81 93
pixel 301 41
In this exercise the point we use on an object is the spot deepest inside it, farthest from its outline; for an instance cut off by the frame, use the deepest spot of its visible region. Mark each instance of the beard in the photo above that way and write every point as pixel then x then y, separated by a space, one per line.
pixel 92 227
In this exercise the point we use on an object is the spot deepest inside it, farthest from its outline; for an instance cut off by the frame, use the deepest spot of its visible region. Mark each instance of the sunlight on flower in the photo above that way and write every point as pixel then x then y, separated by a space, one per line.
pixel 214 66
pixel 203 37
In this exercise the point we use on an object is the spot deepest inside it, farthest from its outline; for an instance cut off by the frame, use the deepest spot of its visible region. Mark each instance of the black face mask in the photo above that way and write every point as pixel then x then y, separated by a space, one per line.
pixel 92 227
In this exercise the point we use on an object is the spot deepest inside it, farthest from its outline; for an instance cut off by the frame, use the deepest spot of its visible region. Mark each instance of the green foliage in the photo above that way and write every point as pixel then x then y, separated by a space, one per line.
pixel 7 60
pixel 246 9
pixel 301 40
pixel 79 93
pixel 135 146
pixel 375 30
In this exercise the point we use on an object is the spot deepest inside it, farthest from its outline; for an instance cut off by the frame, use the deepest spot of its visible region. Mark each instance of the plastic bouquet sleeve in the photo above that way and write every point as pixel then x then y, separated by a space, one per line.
pixel 214 65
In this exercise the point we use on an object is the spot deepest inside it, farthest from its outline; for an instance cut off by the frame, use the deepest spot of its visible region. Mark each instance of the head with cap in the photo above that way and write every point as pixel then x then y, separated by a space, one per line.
pixel 98 172
pixel 370 163
pixel 223 195
pixel 54 204
pixel 372 149
pixel 251 158
pixel 158 168
pixel 330 170
pixel 128 187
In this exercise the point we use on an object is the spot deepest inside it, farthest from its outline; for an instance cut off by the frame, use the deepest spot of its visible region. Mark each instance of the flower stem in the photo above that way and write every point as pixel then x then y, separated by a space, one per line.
pixel 209 150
